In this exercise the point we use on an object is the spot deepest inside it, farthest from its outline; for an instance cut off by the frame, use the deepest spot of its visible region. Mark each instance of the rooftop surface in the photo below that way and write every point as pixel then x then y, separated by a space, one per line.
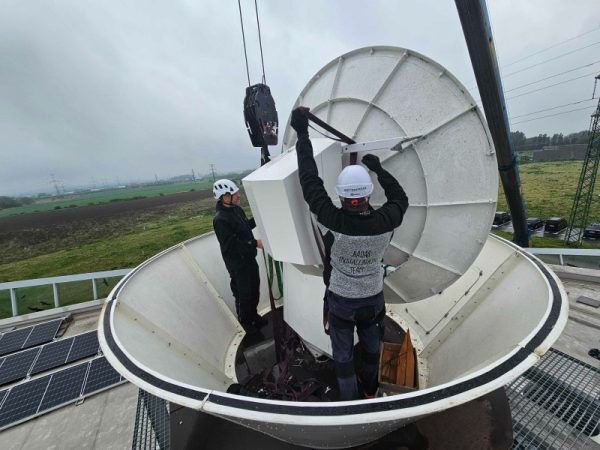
pixel 106 420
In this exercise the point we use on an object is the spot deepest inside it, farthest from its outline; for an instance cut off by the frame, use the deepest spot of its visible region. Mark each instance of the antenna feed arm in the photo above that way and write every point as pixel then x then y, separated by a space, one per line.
pixel 394 144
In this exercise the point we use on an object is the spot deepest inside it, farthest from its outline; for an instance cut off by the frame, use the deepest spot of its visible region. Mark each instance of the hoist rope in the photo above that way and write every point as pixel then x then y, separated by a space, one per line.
pixel 244 40
pixel 262 61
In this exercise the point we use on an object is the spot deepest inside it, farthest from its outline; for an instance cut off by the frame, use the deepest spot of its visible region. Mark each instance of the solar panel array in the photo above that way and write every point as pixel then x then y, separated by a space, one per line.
pixel 55 354
pixel 43 394
pixel 40 394
pixel 13 341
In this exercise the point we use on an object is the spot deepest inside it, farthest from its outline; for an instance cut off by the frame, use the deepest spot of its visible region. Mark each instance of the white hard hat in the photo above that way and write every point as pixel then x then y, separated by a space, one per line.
pixel 354 182
pixel 224 186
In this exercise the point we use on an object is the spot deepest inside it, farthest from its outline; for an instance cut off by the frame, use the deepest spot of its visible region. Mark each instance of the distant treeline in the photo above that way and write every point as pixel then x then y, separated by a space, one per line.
pixel 522 142
pixel 11 202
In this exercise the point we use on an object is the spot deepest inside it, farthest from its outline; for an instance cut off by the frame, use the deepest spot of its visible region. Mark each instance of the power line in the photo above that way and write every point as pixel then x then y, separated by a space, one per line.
pixel 552 76
pixel 471 85
pixel 548 60
pixel 551 47
pixel 550 109
pixel 549 86
pixel 552 115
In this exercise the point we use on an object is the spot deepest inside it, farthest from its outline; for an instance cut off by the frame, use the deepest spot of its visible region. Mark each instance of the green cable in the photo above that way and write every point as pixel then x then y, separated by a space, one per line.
pixel 269 270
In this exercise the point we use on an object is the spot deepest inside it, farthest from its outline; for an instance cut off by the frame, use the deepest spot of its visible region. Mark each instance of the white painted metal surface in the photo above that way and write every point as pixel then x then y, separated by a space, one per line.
pixel 281 214
pixel 449 173
pixel 168 327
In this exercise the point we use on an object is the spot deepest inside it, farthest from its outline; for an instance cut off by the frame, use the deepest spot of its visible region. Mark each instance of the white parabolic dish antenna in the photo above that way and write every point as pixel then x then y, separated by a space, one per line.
pixel 449 174
pixel 487 312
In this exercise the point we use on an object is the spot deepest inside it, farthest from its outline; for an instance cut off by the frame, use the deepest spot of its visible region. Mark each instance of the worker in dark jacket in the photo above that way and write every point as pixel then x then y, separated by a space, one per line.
pixel 355 237
pixel 238 247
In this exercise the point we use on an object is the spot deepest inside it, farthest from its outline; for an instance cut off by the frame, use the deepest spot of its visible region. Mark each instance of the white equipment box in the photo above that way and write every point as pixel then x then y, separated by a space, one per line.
pixel 282 216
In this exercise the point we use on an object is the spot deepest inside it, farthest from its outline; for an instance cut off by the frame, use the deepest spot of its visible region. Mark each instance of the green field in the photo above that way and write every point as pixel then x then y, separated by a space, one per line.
pixel 548 190
pixel 94 198
pixel 117 252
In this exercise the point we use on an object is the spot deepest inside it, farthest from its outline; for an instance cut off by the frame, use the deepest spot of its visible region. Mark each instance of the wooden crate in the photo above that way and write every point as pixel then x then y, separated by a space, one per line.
pixel 398 371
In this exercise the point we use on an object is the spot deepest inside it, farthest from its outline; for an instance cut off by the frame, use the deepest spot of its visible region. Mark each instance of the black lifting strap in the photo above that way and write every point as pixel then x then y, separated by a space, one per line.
pixel 260 115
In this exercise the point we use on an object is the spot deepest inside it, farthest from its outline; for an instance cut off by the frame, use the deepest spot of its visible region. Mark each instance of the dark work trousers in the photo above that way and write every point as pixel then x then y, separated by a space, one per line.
pixel 366 315
pixel 245 285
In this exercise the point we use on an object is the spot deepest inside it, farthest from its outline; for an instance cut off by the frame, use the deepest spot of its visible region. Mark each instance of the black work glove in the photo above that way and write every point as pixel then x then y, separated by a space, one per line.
pixel 372 162
pixel 299 120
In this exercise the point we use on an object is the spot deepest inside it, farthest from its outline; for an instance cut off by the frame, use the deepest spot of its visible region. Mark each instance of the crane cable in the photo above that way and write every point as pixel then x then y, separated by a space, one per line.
pixel 262 60
pixel 244 40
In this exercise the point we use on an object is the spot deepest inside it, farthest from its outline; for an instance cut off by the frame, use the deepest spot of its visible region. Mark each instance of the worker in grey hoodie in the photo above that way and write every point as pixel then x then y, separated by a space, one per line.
pixel 355 237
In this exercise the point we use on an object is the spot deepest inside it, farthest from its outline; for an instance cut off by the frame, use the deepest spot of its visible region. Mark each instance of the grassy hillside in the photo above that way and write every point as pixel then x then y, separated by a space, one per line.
pixel 548 190
pixel 121 251
pixel 117 252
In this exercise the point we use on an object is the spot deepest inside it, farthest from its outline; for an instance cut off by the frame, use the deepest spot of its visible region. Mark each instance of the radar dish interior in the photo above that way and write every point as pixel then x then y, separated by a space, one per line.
pixel 449 173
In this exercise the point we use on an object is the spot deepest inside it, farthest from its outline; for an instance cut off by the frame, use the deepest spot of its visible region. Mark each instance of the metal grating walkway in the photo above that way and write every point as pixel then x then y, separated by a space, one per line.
pixel 152 423
pixel 555 404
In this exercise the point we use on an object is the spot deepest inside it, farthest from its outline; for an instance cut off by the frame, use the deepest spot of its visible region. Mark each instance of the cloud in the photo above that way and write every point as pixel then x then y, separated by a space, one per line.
pixel 130 89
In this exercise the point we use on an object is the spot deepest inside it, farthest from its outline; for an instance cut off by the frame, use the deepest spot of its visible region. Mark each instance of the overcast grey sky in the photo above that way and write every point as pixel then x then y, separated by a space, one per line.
pixel 126 89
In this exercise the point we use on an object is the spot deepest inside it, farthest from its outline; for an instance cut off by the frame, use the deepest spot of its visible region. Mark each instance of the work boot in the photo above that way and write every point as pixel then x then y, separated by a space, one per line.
pixel 367 394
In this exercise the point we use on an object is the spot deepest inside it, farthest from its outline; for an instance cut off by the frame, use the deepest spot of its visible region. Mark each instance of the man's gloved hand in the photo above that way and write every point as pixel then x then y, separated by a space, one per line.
pixel 299 120
pixel 372 162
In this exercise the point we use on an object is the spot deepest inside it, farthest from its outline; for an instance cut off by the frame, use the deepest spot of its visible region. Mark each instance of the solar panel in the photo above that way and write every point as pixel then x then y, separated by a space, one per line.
pixel 64 386
pixel 29 336
pixel 52 355
pixel 42 333
pixel 14 340
pixel 61 352
pixel 17 366
pixel 2 395
pixel 40 395
pixel 23 401
pixel 85 345
pixel 100 375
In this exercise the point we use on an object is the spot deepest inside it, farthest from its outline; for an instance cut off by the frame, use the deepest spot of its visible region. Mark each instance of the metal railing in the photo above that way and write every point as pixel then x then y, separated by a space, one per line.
pixel 588 258
pixel 12 286
pixel 576 257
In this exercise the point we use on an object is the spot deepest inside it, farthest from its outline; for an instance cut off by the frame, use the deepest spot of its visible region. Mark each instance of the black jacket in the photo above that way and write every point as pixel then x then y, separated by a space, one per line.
pixel 373 222
pixel 234 232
